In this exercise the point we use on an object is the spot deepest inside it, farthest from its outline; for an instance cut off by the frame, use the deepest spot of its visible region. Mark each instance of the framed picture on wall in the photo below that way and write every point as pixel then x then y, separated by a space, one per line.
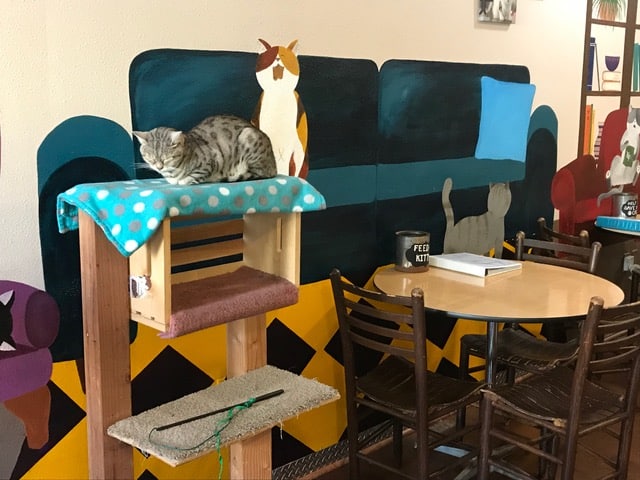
pixel 497 11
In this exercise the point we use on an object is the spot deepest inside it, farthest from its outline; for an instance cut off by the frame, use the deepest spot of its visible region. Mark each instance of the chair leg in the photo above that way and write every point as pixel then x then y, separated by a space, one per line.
pixel 486 414
pixel 352 437
pixel 397 442
pixel 546 468
pixel 624 448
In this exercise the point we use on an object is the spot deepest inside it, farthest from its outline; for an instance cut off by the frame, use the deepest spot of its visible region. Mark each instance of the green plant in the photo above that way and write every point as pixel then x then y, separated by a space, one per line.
pixel 609 9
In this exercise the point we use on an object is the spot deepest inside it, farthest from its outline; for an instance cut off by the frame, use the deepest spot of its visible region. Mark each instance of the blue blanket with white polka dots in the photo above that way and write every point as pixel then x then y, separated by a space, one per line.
pixel 129 212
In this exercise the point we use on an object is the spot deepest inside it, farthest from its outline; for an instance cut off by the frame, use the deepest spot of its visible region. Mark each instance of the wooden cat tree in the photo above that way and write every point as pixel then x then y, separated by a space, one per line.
pixel 266 241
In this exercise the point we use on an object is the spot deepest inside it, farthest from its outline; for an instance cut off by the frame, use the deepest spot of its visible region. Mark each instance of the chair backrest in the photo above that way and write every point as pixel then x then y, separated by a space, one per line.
pixel 609 342
pixel 557 253
pixel 374 321
pixel 548 234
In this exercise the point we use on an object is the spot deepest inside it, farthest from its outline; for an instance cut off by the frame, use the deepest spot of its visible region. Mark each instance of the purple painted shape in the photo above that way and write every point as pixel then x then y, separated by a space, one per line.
pixel 36 319
pixel 20 374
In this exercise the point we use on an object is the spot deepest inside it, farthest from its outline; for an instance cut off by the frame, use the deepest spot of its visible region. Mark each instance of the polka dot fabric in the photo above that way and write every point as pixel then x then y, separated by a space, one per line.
pixel 129 212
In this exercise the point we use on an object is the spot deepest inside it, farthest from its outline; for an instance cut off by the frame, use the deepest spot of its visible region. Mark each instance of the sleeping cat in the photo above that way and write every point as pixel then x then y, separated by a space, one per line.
pixel 222 148
pixel 280 113
pixel 477 234
pixel 6 321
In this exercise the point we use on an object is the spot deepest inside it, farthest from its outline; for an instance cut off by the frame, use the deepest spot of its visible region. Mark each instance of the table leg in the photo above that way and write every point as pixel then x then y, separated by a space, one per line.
pixel 492 341
pixel 485 410
pixel 105 313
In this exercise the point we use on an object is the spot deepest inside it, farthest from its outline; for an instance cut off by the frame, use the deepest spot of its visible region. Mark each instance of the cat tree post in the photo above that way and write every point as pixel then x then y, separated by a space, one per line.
pixel 105 313
pixel 271 244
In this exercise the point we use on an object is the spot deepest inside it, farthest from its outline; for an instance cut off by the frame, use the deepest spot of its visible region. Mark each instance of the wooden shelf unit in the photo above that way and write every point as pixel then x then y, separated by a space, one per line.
pixel 270 243
pixel 625 94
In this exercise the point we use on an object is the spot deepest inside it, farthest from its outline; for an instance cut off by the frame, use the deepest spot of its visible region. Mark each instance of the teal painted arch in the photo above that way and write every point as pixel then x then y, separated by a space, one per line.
pixel 543 117
pixel 84 136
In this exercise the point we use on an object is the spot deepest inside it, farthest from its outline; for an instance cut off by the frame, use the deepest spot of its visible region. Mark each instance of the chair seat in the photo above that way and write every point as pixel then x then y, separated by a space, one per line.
pixel 520 349
pixel 547 397
pixel 392 383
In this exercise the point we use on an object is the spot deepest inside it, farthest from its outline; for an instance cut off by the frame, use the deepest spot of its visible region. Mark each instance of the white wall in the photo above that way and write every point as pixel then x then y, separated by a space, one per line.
pixel 61 58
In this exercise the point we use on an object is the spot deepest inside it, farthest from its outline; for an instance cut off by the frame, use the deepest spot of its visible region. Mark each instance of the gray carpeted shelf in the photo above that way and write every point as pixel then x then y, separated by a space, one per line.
pixel 174 446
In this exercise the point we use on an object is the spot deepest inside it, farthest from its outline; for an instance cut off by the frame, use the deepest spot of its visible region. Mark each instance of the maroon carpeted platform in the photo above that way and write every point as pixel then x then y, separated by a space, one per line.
pixel 223 298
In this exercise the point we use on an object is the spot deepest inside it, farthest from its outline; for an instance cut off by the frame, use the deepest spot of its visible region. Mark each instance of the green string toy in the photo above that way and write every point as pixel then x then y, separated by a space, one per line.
pixel 220 426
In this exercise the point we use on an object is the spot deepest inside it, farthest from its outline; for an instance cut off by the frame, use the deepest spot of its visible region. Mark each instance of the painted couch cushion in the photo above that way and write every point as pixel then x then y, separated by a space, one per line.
pixel 504 119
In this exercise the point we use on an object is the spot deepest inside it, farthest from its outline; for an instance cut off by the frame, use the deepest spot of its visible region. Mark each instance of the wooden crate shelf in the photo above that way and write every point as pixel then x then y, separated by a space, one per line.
pixel 219 264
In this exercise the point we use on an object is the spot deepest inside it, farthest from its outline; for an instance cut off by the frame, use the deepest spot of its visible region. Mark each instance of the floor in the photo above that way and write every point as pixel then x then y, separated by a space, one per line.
pixel 588 467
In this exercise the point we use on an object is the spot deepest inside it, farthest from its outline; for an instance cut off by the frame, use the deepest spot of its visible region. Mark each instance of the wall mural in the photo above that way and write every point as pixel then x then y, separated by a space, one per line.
pixel 378 144
pixel 280 113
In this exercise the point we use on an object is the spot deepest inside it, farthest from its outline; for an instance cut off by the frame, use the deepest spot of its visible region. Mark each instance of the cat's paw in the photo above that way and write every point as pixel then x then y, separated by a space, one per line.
pixel 187 181
pixel 172 181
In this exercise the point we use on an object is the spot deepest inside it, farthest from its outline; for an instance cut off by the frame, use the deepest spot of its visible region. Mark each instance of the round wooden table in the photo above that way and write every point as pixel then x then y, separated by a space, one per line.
pixel 536 293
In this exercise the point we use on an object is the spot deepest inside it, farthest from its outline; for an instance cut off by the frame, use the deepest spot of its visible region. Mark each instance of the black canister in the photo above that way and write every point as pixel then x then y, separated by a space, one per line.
pixel 412 251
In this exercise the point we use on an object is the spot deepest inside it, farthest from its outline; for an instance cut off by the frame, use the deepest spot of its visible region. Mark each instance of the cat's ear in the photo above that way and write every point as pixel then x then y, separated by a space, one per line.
pixel 176 137
pixel 265 44
pixel 293 46
pixel 7 298
pixel 143 137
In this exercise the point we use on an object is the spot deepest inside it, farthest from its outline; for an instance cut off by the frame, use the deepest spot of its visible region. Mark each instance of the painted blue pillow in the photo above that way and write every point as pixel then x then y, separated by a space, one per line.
pixel 504 119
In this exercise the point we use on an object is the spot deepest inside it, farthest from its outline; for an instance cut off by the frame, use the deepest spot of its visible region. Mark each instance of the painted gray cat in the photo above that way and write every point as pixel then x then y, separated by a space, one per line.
pixel 222 148
pixel 481 233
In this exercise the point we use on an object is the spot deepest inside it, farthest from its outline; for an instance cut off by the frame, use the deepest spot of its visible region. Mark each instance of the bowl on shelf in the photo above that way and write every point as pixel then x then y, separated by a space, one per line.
pixel 611 62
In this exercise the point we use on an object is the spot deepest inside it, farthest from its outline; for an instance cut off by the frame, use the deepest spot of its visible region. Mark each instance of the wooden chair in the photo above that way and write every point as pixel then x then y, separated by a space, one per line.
pixel 516 348
pixel 569 403
pixel 375 327
pixel 550 235
pixel 557 331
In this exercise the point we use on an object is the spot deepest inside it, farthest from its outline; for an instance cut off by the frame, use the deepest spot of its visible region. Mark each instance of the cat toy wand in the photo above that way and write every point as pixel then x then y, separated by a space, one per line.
pixel 257 399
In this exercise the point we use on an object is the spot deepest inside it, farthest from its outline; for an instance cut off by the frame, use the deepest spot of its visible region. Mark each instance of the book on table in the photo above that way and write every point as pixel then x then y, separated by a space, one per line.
pixel 473 264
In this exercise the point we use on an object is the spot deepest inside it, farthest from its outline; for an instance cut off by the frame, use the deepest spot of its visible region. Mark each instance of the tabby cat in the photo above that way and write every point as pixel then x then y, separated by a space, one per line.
pixel 6 321
pixel 222 148
pixel 481 233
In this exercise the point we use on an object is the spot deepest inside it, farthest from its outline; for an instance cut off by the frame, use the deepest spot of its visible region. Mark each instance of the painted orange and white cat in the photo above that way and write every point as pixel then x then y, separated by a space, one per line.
pixel 280 113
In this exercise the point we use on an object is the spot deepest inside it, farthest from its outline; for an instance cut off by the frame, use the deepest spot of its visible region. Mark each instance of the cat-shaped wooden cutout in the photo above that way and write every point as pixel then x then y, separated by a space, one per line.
pixel 481 233
pixel 625 168
pixel 6 322
pixel 280 113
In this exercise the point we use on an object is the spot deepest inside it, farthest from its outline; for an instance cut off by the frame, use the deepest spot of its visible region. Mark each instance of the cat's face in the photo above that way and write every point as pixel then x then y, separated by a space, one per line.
pixel 161 148
pixel 277 67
